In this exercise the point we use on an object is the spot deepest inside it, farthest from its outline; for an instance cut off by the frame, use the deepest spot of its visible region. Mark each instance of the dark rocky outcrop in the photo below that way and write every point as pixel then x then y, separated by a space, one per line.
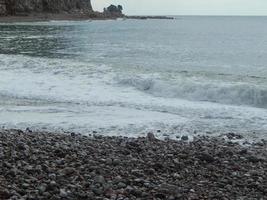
pixel 2 8
pixel 21 7
pixel 39 10
pixel 113 11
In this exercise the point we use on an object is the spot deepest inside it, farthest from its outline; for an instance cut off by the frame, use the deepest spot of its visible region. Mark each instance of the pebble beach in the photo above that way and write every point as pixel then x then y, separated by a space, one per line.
pixel 39 165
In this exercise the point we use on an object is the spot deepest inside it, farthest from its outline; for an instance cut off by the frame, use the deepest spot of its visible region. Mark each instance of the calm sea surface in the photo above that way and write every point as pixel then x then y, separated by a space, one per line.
pixel 126 77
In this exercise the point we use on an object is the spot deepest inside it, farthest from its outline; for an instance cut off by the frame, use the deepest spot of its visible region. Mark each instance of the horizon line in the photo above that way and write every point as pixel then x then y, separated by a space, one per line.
pixel 196 15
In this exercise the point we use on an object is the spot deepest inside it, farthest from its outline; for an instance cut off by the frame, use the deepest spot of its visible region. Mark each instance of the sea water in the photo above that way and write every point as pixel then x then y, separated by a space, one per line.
pixel 191 75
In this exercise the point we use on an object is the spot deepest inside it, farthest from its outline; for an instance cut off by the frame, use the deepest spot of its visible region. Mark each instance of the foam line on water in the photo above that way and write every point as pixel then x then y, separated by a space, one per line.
pixel 219 92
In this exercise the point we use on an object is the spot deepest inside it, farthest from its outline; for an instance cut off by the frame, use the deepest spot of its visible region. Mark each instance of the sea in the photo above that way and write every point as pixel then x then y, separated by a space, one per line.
pixel 188 76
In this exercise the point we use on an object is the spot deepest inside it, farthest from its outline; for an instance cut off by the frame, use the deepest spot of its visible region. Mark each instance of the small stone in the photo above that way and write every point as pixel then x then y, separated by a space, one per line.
pixel 176 175
pixel 97 191
pixel 52 176
pixel 42 188
pixel 184 138
pixel 109 161
pixel 99 179
pixel 129 188
pixel 117 179
pixel 243 151
pixel 192 190
pixel 4 194
pixel 72 134
pixel 149 171
pixel 22 146
pixel 122 185
pixel 206 157
pixel 151 137
pixel 28 130
pixel 25 185
pixel 254 159
pixel 52 185
pixel 68 171
pixel 13 172
pixel 63 193
pixel 160 196
pixel 234 173
pixel 116 162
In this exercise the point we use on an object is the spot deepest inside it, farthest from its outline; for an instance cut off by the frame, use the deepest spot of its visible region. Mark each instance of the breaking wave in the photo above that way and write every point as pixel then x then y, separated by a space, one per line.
pixel 230 93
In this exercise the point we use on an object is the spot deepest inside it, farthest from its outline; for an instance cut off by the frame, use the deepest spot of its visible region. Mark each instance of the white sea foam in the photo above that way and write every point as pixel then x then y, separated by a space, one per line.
pixel 219 92
pixel 193 75
pixel 46 94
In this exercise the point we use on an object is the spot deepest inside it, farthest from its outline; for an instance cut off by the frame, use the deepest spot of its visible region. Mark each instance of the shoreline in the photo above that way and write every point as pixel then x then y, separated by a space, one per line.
pixel 40 165
pixel 48 17
pixel 74 17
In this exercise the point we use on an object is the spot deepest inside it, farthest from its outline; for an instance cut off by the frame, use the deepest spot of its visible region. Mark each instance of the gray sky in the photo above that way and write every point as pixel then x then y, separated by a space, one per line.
pixel 187 7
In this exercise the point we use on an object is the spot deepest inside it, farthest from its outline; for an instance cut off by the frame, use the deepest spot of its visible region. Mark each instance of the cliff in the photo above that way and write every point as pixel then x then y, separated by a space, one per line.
pixel 25 7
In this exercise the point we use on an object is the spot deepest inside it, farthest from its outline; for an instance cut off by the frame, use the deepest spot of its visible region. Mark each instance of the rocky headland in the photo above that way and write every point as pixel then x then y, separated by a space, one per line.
pixel 36 165
pixel 28 7
pixel 44 10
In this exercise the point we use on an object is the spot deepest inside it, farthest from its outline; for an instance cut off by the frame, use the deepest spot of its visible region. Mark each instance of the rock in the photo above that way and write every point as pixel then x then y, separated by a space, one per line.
pixel 28 130
pixel 149 171
pixel 31 6
pixel 206 157
pixel 232 136
pixel 151 137
pixel 135 192
pixel 204 168
pixel 121 185
pixel 52 185
pixel 116 162
pixel 22 146
pixel 52 176
pixel 97 191
pixel 160 195
pixel 113 11
pixel 184 138
pixel 254 159
pixel 12 172
pixel 109 161
pixel 243 151
pixel 72 134
pixel 4 194
pixel 60 153
pixel 25 185
pixel 63 193
pixel 100 179
pixel 42 188
pixel 68 171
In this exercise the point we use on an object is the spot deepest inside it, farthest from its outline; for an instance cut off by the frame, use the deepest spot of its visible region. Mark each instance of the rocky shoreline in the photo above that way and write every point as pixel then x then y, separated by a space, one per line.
pixel 72 166
pixel 42 17
pixel 148 17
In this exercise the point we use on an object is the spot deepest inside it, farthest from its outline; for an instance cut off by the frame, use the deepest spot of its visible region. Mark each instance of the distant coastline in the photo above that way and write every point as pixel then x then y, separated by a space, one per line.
pixel 75 17
pixel 28 11
pixel 148 17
